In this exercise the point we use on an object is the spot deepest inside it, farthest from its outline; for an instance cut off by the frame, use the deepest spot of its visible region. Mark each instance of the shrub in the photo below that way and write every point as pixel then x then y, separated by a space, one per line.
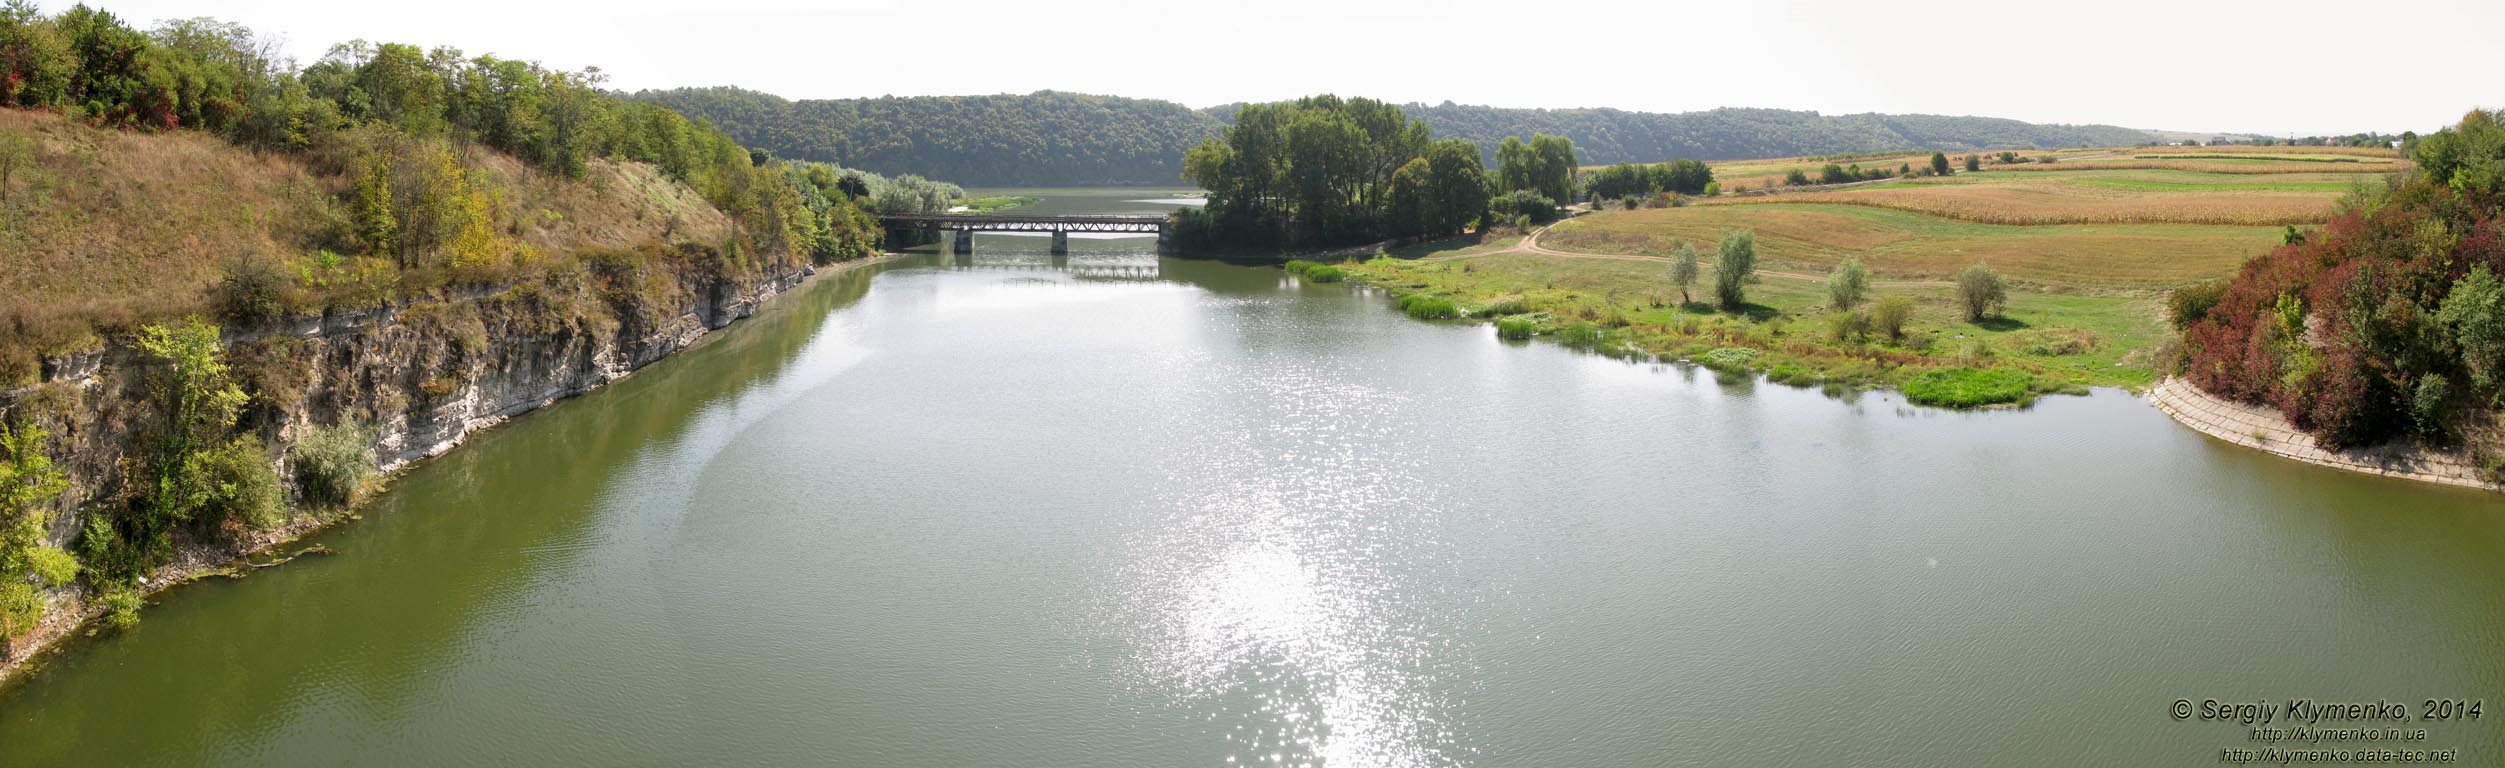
pixel 1525 206
pixel 1982 292
pixel 243 490
pixel 252 291
pixel 1581 336
pixel 2427 406
pixel 1516 328
pixel 121 608
pixel 1848 325
pixel 1967 387
pixel 1847 285
pixel 2190 303
pixel 331 464
pixel 1727 359
pixel 1299 266
pixel 1325 274
pixel 1424 307
pixel 1502 308
pixel 1890 315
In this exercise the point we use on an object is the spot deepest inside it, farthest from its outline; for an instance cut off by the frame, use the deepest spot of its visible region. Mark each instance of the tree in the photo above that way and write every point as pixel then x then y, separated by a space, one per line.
pixel 29 488
pixel 1515 167
pixel 1683 268
pixel 1734 261
pixel 1553 175
pixel 1974 163
pixel 2473 314
pixel 1847 285
pixel 1982 292
pixel 1794 178
pixel 1939 164
pixel 377 222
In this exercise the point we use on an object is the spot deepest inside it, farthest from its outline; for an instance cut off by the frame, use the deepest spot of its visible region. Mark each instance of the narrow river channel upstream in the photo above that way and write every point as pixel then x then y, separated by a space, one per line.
pixel 1116 510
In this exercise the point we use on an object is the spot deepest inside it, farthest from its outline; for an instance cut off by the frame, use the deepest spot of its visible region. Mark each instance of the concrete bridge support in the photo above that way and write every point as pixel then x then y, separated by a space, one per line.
pixel 965 241
pixel 1060 243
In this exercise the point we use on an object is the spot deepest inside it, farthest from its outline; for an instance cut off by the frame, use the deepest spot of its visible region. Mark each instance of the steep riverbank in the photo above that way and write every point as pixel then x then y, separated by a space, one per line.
pixel 425 375
pixel 2264 429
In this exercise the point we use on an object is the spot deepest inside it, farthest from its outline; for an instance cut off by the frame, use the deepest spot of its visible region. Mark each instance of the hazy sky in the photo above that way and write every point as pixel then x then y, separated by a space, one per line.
pixel 2266 67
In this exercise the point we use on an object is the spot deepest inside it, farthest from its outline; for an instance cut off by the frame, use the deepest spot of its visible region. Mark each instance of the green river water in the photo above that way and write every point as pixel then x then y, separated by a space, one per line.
pixel 1116 510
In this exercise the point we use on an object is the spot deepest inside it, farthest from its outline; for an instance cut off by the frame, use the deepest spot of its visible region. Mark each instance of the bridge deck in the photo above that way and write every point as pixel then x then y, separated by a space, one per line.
pixel 969 222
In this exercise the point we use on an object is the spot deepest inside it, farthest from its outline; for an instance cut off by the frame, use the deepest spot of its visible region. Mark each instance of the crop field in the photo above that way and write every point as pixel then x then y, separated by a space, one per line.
pixel 2093 197
pixel 1813 238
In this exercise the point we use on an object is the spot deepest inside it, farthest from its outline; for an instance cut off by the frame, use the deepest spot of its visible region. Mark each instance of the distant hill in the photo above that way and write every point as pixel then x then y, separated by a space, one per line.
pixel 1046 138
pixel 1055 138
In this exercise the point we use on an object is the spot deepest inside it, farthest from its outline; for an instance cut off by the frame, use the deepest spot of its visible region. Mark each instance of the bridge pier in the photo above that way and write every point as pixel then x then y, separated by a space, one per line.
pixel 1165 239
pixel 964 241
pixel 1060 242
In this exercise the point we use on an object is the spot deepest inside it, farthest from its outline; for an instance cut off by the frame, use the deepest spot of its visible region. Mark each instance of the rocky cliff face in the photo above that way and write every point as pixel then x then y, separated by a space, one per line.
pixel 422 375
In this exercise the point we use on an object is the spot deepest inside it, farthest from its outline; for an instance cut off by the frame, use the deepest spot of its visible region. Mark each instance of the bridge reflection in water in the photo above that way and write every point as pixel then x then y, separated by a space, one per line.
pixel 1132 265
pixel 965 225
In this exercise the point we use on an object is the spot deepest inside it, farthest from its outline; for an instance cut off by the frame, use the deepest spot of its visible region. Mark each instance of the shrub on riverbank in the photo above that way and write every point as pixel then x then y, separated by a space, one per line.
pixel 1516 328
pixel 1967 387
pixel 1325 273
pixel 331 464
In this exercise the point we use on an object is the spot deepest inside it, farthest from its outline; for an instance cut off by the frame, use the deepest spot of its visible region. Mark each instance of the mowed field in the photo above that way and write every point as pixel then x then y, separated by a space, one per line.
pixel 2077 222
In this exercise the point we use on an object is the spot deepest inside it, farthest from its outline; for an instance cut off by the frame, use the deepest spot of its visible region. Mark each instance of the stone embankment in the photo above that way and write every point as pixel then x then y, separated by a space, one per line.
pixel 2264 428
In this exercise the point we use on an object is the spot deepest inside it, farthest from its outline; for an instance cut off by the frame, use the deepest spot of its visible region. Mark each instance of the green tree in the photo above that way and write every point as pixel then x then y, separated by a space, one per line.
pixel 1981 292
pixel 1939 164
pixel 1847 284
pixel 1516 169
pixel 1974 163
pixel 1683 268
pixel 197 400
pixel 377 222
pixel 1555 164
pixel 1735 260
pixel 29 489
pixel 2473 314
pixel 36 65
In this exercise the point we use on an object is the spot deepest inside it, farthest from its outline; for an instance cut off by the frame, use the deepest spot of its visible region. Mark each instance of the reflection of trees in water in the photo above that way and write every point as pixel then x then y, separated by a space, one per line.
pixel 363 635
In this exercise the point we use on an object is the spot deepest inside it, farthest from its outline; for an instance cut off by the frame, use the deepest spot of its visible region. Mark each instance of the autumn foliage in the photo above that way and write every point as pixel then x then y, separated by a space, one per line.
pixel 2372 327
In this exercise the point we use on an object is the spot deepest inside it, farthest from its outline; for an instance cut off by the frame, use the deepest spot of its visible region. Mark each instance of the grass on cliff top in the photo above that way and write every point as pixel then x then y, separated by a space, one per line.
pixel 103 229
pixel 2059 340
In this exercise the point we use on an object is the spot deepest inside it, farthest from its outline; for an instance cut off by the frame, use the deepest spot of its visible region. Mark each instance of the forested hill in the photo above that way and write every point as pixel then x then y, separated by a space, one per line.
pixel 1054 138
pixel 1603 136
pixel 1042 138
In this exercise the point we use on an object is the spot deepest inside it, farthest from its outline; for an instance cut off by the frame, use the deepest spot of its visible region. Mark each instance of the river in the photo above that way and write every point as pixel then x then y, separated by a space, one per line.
pixel 1111 509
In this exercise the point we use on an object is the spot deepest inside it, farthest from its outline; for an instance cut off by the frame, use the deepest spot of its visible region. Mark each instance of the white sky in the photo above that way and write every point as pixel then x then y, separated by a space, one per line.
pixel 2276 68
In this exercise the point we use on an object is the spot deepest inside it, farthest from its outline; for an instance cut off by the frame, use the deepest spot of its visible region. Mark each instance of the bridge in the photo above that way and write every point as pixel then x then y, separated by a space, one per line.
pixel 966 224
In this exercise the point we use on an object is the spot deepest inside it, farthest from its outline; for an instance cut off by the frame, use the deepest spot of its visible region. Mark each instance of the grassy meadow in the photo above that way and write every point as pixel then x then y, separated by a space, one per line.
pixel 2089 243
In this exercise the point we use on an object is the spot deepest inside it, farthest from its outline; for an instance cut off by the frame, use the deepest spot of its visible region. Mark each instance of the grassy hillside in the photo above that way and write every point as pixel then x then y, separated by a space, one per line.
pixel 2089 244
pixel 108 228
pixel 1054 138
